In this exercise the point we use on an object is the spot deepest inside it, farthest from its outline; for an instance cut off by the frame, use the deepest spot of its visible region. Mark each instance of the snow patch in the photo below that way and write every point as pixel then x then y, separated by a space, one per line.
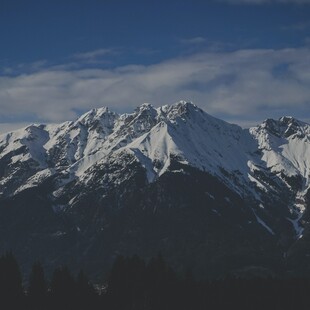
pixel 260 221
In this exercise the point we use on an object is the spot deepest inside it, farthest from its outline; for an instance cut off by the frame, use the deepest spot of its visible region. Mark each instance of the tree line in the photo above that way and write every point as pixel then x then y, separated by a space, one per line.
pixel 133 284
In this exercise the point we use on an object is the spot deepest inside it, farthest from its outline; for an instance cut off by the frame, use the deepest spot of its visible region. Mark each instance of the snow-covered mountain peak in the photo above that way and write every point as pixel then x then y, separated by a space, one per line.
pixel 145 107
pixel 285 149
pixel 100 116
pixel 290 120
pixel 133 125
pixel 292 126
pixel 174 158
pixel 145 112
pixel 285 127
pixel 155 135
pixel 179 109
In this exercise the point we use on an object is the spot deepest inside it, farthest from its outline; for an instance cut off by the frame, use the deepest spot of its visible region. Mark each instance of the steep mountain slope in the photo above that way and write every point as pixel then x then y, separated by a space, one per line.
pixel 171 179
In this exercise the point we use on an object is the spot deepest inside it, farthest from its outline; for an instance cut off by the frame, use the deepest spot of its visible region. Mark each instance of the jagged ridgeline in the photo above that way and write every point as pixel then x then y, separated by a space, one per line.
pixel 207 194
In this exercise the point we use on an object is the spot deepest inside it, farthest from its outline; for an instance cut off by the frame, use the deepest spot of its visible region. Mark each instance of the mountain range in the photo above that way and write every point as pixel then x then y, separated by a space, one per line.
pixel 212 197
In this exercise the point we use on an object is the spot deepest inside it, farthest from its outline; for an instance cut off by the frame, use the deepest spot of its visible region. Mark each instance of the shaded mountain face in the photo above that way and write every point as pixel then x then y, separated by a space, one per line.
pixel 210 196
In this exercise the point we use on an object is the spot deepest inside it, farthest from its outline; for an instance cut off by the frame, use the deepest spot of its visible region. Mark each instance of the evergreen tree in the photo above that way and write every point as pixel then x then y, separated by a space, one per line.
pixel 117 284
pixel 11 290
pixel 86 296
pixel 63 288
pixel 126 285
pixel 161 284
pixel 136 283
pixel 37 290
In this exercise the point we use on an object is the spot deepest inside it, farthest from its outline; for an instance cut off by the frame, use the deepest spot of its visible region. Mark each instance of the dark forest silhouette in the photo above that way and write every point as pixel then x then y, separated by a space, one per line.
pixel 134 284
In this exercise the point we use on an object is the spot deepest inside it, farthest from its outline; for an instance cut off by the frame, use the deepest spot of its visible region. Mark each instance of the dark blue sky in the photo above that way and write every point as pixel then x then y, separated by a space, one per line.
pixel 69 35
pixel 55 30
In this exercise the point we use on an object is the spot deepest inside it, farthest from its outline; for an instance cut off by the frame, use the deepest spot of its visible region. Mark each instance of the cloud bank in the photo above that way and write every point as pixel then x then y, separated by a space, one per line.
pixel 240 85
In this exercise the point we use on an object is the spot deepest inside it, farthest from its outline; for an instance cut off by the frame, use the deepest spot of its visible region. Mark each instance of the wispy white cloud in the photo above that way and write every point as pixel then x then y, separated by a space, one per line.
pixel 244 84
pixel 195 40
pixel 91 56
pixel 24 67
